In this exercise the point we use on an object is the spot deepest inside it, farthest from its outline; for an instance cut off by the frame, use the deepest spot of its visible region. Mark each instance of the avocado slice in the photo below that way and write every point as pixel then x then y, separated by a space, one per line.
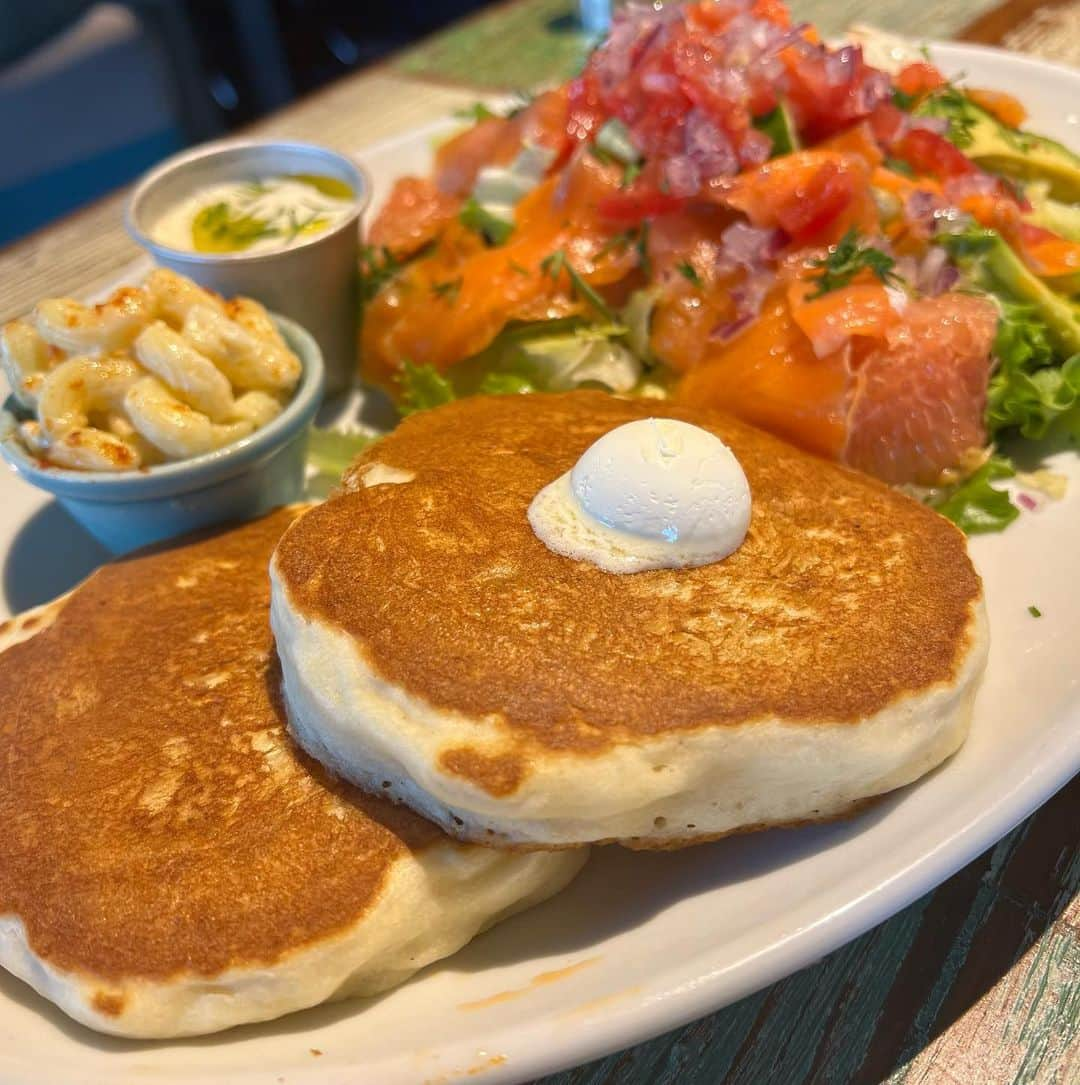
pixel 1062 218
pixel 1004 150
pixel 779 126
pixel 997 269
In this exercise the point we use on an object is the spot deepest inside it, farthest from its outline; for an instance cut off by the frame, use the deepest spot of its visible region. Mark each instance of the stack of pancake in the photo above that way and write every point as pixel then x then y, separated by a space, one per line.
pixel 471 710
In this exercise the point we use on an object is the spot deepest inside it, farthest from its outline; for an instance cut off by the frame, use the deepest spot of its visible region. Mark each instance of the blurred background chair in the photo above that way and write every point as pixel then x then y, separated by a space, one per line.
pixel 92 94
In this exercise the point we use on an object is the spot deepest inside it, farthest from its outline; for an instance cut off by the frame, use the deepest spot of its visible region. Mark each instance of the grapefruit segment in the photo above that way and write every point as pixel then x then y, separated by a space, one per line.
pixel 904 407
pixel 918 401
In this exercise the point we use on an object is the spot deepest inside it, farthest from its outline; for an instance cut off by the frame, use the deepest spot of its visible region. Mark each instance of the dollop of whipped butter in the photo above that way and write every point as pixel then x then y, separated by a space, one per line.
pixel 651 494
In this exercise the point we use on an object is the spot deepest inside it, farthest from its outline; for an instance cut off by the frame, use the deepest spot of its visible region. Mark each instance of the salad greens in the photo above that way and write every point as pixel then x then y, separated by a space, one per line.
pixel 1029 391
pixel 474 216
pixel 423 387
pixel 975 506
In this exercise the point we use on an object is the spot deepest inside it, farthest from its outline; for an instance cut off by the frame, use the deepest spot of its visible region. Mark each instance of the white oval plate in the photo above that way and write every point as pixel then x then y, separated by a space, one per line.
pixel 642 943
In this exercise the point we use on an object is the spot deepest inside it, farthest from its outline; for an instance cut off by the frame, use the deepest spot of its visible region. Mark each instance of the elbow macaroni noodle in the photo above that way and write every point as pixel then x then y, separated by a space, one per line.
pixel 161 372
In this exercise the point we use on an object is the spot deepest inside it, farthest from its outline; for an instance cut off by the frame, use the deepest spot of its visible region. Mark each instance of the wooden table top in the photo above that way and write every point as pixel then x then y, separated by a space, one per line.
pixel 977 983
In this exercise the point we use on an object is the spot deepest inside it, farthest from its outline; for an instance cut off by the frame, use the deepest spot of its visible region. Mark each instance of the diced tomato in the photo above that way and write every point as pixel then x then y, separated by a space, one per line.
pixel 638 203
pixel 928 153
pixel 919 78
pixel 814 196
pixel 887 122
pixel 824 101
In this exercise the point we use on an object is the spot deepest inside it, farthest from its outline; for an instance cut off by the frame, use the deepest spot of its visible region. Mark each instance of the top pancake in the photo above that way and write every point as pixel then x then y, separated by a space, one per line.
pixel 158 818
pixel 845 597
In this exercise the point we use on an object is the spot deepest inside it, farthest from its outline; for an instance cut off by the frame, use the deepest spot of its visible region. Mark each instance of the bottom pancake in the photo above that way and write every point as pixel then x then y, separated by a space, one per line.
pixel 172 864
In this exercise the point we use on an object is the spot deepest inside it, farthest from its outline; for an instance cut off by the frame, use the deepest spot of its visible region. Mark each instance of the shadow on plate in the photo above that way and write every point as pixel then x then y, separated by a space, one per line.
pixel 617 891
pixel 621 889
pixel 49 556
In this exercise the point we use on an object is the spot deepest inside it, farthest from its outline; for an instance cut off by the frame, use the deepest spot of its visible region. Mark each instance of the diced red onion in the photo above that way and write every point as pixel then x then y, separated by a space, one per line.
pixel 746 246
pixel 936 275
pixel 923 209
pixel 898 299
pixel 731 328
pixel 976 183
pixel 755 148
pixel 682 176
pixel 838 64
pixel 947 278
pixel 938 125
pixel 874 89
pixel 709 146
pixel 1027 501
pixel 750 293
pixel 930 269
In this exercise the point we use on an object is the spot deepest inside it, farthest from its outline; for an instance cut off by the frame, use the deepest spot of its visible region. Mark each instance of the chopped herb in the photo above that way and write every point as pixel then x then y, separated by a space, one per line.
pixel 218 228
pixel 476 112
pixel 475 216
pixel 903 100
pixel 618 241
pixel 687 271
pixel 602 156
pixel 643 250
pixel 448 290
pixel 515 266
pixel 630 174
pixel 555 264
pixel 898 165
pixel 377 267
pixel 1034 611
pixel 957 109
pixel 847 260
pixel 422 387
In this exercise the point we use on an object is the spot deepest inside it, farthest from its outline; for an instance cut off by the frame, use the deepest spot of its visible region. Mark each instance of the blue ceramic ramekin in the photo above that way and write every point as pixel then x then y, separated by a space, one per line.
pixel 245 479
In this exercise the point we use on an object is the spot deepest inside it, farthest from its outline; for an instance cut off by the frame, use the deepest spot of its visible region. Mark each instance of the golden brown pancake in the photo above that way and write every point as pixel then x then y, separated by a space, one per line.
pixel 513 693
pixel 171 862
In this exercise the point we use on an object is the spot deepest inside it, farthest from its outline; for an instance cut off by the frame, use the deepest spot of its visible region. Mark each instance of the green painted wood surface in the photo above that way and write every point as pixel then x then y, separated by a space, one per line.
pixel 977 983
pixel 524 44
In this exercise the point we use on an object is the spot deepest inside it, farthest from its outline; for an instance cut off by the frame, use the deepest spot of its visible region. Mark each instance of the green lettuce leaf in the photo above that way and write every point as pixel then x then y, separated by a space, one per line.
pixel 977 507
pixel 1029 390
pixel 423 387
pixel 505 384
